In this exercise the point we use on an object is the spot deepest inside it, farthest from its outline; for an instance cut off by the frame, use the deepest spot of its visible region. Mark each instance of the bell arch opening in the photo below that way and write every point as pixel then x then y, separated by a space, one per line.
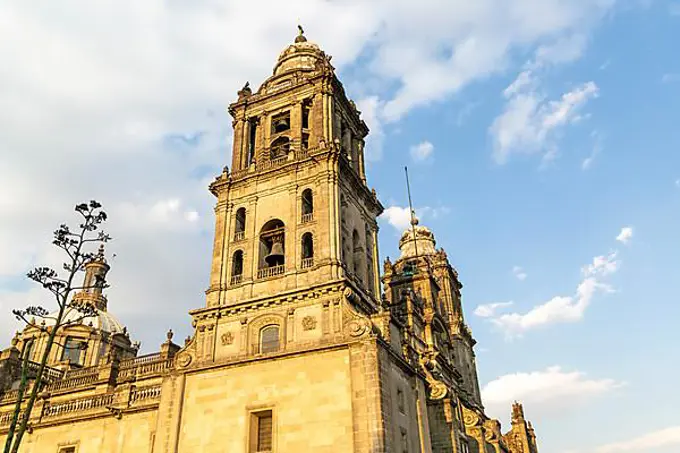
pixel 272 245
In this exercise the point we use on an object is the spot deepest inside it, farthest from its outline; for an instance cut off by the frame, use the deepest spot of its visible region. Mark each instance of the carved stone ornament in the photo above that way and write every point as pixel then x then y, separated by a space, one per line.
pixel 438 390
pixel 471 419
pixel 184 360
pixel 227 338
pixel 309 323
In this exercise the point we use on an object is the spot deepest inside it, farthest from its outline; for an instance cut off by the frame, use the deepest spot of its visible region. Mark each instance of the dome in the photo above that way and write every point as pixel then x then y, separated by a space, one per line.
pixel 423 242
pixel 103 321
pixel 301 55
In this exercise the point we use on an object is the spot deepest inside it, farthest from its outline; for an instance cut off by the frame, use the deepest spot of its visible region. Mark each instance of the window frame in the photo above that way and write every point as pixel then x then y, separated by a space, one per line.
pixel 72 448
pixel 260 342
pixel 80 348
pixel 255 416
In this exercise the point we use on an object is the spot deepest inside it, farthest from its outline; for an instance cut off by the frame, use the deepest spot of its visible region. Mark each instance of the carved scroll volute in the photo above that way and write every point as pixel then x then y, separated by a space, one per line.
pixel 438 389
pixel 186 356
pixel 470 419
pixel 355 325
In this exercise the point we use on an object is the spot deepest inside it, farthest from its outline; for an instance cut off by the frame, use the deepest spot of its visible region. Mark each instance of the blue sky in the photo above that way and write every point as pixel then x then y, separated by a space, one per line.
pixel 536 134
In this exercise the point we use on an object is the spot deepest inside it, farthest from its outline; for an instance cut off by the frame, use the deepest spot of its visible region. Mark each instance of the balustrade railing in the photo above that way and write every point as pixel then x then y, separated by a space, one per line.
pixel 239 236
pixel 271 271
pixel 306 218
pixel 69 383
pixel 10 395
pixel 236 279
pixel 78 405
pixel 267 164
pixel 6 417
pixel 302 154
pixel 49 374
pixel 80 372
pixel 273 163
pixel 144 366
pixel 145 393
pixel 129 363
pixel 307 263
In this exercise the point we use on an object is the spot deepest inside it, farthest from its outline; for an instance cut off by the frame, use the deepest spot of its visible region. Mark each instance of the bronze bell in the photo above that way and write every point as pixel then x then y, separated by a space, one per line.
pixel 275 257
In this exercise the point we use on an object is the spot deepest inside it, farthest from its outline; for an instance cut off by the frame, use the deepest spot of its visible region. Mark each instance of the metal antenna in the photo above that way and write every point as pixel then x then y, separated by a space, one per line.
pixel 413 213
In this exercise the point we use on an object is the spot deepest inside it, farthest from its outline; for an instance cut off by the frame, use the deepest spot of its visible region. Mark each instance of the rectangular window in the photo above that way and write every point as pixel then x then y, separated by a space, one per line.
pixel 252 128
pixel 261 429
pixel 305 117
pixel 404 440
pixel 400 401
pixel 73 350
pixel 69 449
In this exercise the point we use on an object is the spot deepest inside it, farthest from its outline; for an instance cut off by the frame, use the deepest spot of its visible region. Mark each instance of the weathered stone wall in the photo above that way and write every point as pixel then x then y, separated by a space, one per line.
pixel 311 399
pixel 132 433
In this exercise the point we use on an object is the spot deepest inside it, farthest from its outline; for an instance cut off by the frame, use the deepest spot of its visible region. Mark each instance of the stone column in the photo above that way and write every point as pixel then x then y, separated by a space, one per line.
pixel 228 228
pixel 237 154
pixel 360 158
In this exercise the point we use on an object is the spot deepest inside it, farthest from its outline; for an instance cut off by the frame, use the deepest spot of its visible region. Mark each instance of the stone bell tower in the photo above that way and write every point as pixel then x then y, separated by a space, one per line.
pixel 295 210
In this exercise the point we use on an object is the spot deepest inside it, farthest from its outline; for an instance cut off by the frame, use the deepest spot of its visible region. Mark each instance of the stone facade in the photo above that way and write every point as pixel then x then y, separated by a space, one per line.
pixel 301 344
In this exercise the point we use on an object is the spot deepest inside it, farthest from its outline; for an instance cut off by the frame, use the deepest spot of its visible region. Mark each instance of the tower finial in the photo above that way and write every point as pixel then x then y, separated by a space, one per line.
pixel 301 34
pixel 414 220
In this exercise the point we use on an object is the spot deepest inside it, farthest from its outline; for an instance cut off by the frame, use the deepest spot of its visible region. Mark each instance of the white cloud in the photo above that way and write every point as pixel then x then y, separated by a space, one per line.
pixel 597 149
pixel 665 437
pixel 562 309
pixel 171 74
pixel 530 121
pixel 545 392
pixel 519 273
pixel 559 309
pixel 625 235
pixel 565 49
pixel 523 80
pixel 422 151
pixel 602 265
pixel 489 310
pixel 370 108
pixel 398 217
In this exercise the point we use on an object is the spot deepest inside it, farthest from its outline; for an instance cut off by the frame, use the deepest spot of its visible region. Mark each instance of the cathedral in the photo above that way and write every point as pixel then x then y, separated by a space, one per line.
pixel 306 342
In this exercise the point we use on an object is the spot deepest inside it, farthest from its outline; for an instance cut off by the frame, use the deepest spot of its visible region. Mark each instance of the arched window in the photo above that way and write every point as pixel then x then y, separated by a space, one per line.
pixel 307 206
pixel 252 137
pixel 240 227
pixel 358 251
pixel 269 339
pixel 73 350
pixel 280 147
pixel 307 250
pixel 28 348
pixel 272 249
pixel 237 267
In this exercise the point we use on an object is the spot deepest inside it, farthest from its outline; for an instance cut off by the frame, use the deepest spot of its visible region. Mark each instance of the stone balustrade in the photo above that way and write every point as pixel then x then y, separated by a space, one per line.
pixel 144 366
pixel 151 392
pixel 271 271
pixel 74 382
pixel 78 405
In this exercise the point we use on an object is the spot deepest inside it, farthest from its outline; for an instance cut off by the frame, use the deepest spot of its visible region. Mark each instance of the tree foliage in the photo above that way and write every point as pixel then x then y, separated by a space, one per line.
pixel 75 244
